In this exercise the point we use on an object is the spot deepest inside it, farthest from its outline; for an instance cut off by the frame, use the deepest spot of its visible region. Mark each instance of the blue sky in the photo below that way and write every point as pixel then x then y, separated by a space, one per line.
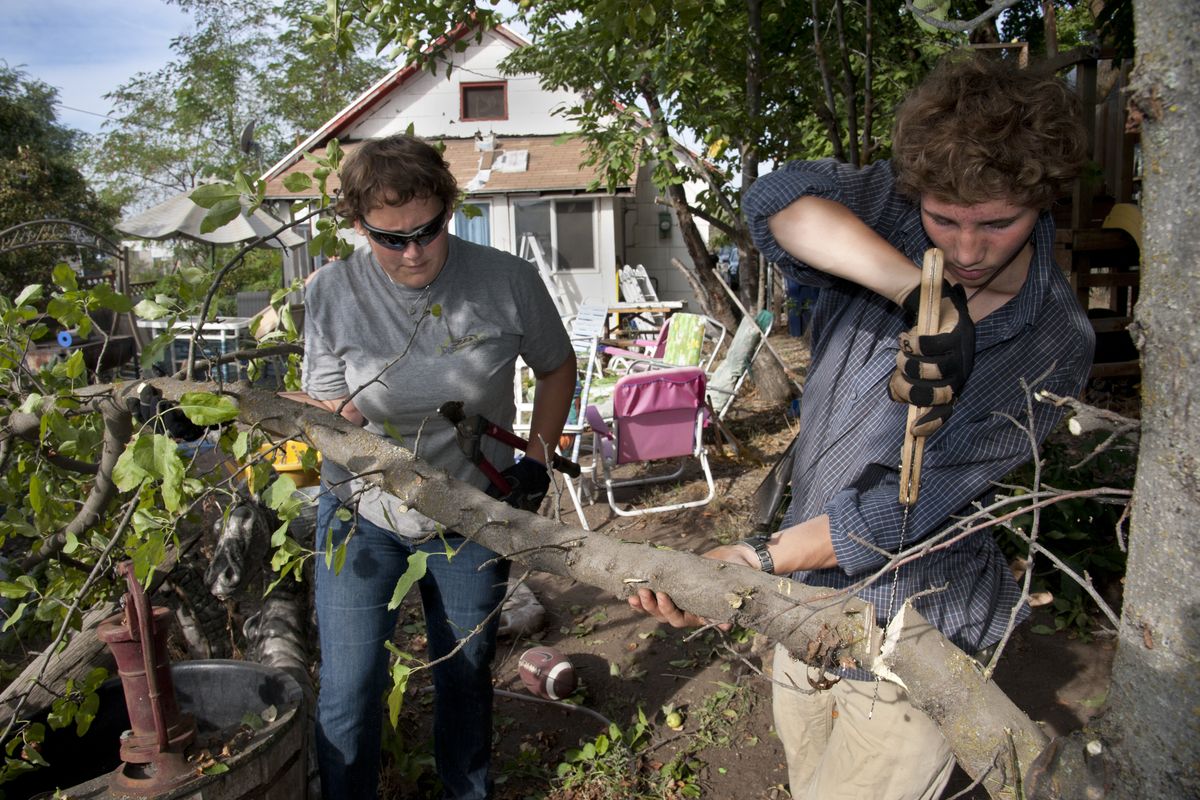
pixel 86 48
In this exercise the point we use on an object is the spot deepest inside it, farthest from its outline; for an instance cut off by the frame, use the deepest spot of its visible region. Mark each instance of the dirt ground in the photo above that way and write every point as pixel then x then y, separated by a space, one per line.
pixel 726 747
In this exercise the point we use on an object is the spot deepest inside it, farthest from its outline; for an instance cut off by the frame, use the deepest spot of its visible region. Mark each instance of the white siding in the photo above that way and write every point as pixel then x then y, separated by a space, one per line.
pixel 643 244
pixel 430 102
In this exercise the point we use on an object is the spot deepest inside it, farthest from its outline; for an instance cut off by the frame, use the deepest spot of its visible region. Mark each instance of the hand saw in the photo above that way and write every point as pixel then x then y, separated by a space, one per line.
pixel 928 319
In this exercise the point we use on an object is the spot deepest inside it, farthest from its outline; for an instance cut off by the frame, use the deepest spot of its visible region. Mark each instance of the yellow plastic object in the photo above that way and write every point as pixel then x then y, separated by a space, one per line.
pixel 287 458
pixel 1128 218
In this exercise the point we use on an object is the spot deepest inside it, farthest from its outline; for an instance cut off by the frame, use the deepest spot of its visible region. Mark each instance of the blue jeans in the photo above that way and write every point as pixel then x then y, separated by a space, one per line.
pixel 354 622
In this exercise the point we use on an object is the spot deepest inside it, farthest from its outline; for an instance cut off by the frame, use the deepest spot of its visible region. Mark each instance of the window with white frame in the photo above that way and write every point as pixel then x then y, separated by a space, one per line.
pixel 565 229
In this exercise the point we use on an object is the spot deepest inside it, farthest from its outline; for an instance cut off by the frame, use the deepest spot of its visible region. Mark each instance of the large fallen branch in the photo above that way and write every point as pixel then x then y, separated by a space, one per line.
pixel 990 736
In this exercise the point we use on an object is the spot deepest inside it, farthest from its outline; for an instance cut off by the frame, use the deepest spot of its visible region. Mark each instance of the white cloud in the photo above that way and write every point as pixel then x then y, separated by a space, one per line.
pixel 87 48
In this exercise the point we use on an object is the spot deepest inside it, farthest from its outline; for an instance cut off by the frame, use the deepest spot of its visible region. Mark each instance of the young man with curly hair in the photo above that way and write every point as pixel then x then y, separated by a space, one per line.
pixel 981 150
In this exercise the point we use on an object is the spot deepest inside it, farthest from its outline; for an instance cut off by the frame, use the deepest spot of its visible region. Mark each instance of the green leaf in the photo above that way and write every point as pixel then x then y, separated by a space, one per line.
pixel 152 457
pixel 297 182
pixel 934 9
pixel 224 212
pixel 30 294
pixel 148 309
pixel 204 408
pixel 210 194
pixel 280 493
pixel 112 300
pixel 15 616
pixel 253 721
pixel 74 366
pixel 86 713
pixel 1042 630
pixel 64 276
pixel 241 445
pixel 13 591
pixel 216 769
pixel 37 495
pixel 400 674
pixel 32 404
pixel 414 573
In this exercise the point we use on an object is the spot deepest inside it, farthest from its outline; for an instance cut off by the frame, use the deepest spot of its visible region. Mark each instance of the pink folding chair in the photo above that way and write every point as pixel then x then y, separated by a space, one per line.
pixel 656 415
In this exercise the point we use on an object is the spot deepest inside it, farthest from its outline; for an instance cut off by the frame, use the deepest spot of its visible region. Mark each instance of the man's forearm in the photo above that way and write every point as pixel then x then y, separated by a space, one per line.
pixel 828 237
pixel 807 545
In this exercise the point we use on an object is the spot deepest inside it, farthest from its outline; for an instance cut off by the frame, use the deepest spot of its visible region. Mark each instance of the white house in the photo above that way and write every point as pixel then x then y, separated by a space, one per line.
pixel 507 148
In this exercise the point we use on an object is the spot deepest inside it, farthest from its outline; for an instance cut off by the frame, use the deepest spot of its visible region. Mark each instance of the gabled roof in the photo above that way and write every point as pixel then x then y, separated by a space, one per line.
pixel 553 164
pixel 368 99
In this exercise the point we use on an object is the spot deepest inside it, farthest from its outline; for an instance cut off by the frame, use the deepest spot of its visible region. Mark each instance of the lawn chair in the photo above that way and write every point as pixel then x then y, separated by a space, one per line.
pixel 657 415
pixel 727 379
pixel 686 340
pixel 636 287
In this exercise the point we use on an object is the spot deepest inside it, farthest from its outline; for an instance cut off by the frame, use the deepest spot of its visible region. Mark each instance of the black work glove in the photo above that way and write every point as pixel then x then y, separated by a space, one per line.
pixel 529 481
pixel 167 418
pixel 932 370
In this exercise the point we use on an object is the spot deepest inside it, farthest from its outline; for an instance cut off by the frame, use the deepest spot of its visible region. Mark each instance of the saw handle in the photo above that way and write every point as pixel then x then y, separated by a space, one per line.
pixel 928 321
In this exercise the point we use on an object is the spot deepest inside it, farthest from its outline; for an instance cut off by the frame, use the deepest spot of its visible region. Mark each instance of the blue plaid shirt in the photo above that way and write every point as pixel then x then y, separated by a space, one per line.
pixel 848 457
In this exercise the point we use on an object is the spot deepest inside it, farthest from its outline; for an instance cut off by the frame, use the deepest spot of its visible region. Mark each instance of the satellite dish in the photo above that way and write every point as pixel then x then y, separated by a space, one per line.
pixel 246 141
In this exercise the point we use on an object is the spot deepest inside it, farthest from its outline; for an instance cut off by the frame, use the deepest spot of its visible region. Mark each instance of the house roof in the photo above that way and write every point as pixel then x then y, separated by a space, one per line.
pixel 367 100
pixel 553 164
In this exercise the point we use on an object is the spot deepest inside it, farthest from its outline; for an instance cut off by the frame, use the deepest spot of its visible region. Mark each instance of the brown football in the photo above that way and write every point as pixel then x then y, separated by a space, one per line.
pixel 547 673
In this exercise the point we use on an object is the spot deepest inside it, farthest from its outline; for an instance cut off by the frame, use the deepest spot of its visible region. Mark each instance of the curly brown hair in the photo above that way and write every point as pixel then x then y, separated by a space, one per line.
pixel 979 129
pixel 392 171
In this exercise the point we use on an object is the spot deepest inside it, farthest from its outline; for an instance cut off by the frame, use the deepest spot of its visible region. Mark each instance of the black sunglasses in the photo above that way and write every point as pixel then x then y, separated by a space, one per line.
pixel 399 240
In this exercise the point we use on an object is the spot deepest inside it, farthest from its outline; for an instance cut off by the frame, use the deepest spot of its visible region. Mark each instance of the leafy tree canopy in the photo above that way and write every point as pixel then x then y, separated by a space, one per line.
pixel 38 176
pixel 249 61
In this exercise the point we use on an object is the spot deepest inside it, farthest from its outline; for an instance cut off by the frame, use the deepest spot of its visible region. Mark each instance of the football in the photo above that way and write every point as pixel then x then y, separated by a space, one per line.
pixel 547 673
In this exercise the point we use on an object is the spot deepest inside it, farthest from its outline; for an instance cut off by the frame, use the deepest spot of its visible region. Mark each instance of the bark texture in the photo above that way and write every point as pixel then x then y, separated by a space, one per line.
pixel 1153 719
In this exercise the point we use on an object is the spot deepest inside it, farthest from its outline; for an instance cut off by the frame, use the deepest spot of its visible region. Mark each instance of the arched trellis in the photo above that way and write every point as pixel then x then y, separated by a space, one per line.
pixel 69 233
pixel 66 233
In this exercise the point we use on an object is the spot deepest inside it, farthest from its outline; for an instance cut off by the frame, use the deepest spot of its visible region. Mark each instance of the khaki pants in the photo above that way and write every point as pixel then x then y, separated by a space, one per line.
pixel 835 753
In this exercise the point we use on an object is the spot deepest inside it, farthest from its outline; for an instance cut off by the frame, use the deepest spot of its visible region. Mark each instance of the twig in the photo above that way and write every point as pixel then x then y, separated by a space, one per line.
pixel 1034 527
pixel 1084 582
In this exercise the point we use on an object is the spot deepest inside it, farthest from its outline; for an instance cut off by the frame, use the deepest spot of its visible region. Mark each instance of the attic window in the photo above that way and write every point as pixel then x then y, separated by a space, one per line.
pixel 484 101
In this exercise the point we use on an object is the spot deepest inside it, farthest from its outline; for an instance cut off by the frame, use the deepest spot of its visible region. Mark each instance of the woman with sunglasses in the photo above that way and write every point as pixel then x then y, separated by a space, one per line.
pixel 413 319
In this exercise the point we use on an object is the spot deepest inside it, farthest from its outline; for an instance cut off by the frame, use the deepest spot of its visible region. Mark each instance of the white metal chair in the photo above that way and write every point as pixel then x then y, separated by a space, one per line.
pixel 585 330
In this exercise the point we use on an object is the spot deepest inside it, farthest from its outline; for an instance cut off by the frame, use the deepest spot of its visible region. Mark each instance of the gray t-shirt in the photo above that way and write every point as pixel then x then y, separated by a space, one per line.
pixel 415 349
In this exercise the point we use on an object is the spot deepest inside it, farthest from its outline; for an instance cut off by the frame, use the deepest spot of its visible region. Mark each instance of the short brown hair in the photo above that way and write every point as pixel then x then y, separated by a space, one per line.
pixel 979 129
pixel 392 171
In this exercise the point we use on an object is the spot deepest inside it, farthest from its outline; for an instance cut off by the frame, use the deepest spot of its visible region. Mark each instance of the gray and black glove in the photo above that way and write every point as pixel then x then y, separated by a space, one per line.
pixel 529 480
pixel 932 370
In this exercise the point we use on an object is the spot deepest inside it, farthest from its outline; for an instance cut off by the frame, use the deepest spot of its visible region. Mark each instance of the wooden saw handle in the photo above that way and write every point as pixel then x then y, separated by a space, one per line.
pixel 928 320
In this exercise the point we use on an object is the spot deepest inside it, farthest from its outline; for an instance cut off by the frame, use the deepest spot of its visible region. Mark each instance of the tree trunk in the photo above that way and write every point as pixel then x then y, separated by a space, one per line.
pixel 1152 721
pixel 705 268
